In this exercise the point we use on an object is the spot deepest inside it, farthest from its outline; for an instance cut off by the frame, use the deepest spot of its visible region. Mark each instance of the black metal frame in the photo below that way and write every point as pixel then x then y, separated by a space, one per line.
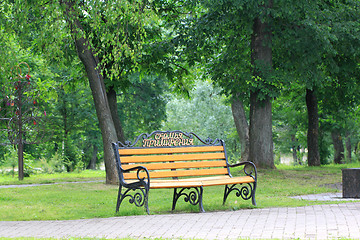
pixel 138 191
pixel 246 191
pixel 141 187
pixel 194 197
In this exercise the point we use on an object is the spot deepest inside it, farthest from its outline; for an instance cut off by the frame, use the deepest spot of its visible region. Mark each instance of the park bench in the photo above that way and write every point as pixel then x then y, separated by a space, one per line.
pixel 180 161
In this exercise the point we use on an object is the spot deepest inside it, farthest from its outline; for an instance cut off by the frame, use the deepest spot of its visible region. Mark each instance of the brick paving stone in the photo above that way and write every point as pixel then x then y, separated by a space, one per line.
pixel 333 221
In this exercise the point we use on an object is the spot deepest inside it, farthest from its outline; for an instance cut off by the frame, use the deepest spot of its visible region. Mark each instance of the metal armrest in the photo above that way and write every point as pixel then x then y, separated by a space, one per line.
pixel 247 165
pixel 141 181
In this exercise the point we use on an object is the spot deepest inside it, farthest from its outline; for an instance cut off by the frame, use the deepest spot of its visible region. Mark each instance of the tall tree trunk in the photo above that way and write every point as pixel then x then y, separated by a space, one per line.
pixel 242 127
pixel 111 95
pixel 356 148
pixel 294 149
pixel 93 160
pixel 260 132
pixel 313 129
pixel 261 144
pixel 91 63
pixel 338 146
pixel 348 146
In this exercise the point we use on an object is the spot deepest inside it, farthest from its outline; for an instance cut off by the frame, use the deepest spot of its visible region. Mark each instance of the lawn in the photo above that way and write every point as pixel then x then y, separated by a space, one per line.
pixel 89 197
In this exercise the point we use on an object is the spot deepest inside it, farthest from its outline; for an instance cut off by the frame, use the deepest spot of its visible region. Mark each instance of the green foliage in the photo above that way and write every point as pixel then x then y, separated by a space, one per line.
pixel 142 106
pixel 205 114
pixel 315 45
pixel 56 163
pixel 11 158
pixel 218 34
pixel 28 165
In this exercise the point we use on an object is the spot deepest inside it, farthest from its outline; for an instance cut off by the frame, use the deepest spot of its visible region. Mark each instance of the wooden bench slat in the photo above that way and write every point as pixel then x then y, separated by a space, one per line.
pixel 177 157
pixel 175 184
pixel 167 150
pixel 227 181
pixel 178 165
pixel 196 182
pixel 181 173
pixel 204 178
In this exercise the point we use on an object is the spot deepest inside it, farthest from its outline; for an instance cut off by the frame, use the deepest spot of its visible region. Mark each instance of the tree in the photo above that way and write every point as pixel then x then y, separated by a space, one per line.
pixel 260 132
pixel 142 106
pixel 21 112
pixel 204 113
pixel 341 93
pixel 73 124
pixel 233 39
pixel 290 122
pixel 308 47
pixel 87 55
pixel 108 38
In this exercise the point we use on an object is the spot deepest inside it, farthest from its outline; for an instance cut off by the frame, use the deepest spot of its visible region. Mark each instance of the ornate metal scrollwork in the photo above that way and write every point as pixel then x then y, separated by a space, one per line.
pixel 189 135
pixel 249 170
pixel 194 197
pixel 245 191
pixel 139 198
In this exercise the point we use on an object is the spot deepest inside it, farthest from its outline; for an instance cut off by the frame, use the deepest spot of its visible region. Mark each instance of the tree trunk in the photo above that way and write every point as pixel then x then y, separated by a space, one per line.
pixel 260 132
pixel 242 127
pixel 261 144
pixel 93 160
pixel 91 63
pixel 313 129
pixel 111 95
pixel 338 146
pixel 294 149
pixel 348 146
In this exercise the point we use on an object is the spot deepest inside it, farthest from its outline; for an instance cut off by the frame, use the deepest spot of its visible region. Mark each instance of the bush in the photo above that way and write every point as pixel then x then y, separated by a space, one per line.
pixel 11 159
pixel 79 166
pixel 28 165
pixel 57 163
pixel 54 165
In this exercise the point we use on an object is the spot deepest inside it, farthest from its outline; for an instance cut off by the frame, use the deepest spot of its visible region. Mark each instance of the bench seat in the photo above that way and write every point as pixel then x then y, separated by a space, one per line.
pixel 197 182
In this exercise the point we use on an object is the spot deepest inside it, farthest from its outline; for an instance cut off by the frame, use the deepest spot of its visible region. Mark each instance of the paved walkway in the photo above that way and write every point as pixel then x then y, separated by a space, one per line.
pixel 339 220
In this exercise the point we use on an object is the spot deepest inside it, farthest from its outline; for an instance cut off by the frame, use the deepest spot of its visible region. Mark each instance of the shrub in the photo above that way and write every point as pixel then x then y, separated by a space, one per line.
pixel 11 159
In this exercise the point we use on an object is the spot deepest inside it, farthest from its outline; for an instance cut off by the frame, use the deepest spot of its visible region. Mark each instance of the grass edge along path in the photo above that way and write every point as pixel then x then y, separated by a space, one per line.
pixel 64 201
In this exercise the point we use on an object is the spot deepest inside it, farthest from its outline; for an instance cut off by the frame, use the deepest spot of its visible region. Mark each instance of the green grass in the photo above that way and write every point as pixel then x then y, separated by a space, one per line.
pixel 71 238
pixel 97 200
pixel 87 175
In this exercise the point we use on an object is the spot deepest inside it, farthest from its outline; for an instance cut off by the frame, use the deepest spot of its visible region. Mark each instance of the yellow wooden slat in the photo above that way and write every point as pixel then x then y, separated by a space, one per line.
pixel 178 173
pixel 169 184
pixel 166 150
pixel 228 181
pixel 176 157
pixel 179 165
pixel 207 178
pixel 197 182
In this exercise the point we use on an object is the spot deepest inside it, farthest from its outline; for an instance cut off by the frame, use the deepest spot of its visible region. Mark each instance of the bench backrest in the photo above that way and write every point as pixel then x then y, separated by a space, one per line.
pixel 165 161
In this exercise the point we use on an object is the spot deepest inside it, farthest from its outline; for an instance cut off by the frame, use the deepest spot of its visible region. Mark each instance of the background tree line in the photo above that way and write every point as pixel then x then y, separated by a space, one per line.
pixel 287 72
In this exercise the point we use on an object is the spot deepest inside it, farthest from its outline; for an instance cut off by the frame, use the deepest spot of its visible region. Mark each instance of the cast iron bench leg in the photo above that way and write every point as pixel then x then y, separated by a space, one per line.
pixel 118 199
pixel 201 200
pixel 146 203
pixel 194 197
pixel 253 195
pixel 243 192
pixel 174 199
